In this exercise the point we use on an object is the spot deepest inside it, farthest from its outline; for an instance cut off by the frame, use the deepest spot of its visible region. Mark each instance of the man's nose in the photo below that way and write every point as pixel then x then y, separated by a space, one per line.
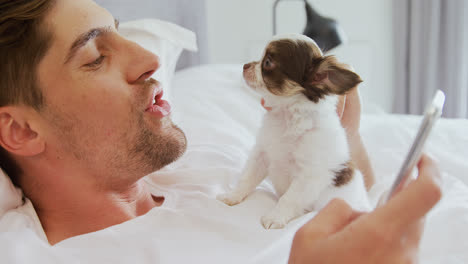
pixel 143 64
pixel 152 67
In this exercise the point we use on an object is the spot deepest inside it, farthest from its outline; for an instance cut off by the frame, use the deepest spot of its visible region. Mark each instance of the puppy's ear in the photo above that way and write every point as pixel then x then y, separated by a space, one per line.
pixel 328 76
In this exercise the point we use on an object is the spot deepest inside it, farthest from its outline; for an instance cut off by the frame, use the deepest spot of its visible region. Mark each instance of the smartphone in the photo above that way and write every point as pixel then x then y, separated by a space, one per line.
pixel 432 114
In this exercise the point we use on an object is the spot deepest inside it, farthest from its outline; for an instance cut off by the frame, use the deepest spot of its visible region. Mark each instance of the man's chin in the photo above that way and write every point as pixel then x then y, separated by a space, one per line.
pixel 182 139
pixel 176 146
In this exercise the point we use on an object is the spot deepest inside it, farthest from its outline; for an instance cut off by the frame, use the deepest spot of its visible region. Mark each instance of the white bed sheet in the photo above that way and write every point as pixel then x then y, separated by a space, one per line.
pixel 387 138
pixel 220 116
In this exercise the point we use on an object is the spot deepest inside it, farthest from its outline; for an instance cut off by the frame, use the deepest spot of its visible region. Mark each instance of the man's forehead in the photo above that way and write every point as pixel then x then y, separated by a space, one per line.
pixel 70 18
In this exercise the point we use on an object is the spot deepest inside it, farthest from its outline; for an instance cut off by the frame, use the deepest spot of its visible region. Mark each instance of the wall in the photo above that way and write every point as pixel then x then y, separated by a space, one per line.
pixel 239 29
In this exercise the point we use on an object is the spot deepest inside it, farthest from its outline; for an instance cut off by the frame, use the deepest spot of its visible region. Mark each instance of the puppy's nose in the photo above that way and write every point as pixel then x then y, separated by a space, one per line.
pixel 246 66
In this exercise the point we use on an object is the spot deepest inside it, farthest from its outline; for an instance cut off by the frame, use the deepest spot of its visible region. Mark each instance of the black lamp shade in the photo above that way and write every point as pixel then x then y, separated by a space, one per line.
pixel 324 31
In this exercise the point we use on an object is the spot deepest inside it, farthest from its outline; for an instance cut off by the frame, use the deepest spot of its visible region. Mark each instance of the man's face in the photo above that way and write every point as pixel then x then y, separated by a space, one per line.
pixel 96 97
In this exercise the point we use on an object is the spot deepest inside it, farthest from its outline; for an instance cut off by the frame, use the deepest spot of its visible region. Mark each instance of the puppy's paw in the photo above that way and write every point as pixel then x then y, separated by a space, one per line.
pixel 274 220
pixel 231 198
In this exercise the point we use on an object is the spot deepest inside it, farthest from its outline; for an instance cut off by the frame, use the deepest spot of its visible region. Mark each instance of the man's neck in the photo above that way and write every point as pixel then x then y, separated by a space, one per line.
pixel 88 211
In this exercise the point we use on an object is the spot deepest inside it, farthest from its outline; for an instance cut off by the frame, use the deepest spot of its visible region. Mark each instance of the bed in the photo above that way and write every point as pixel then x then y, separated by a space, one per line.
pixel 220 116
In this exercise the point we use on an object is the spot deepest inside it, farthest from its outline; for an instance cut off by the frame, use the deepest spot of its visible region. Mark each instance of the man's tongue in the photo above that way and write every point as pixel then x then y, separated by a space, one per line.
pixel 159 96
pixel 163 106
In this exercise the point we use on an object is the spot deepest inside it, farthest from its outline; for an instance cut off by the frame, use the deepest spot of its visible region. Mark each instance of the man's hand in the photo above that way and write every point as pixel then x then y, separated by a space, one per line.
pixel 389 234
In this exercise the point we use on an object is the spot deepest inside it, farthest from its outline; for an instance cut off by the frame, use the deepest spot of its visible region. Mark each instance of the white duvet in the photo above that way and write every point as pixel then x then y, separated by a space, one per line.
pixel 220 116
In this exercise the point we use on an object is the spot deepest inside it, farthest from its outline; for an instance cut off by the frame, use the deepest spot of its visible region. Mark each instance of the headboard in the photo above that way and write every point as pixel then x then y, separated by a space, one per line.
pixel 187 13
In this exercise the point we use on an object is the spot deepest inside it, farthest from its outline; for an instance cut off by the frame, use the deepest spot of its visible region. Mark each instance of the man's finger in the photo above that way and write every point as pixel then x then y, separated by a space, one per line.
pixel 413 236
pixel 413 202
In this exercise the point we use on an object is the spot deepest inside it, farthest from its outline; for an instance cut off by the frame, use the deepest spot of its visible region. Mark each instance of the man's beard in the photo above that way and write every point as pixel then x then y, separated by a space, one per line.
pixel 145 151
pixel 135 154
pixel 155 151
pixel 152 151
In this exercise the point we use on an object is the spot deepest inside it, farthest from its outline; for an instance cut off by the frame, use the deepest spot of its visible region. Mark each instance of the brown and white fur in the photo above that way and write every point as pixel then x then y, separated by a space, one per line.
pixel 301 145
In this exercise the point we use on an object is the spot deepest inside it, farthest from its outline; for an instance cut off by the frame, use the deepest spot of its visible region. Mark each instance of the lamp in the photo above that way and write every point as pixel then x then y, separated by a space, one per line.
pixel 323 30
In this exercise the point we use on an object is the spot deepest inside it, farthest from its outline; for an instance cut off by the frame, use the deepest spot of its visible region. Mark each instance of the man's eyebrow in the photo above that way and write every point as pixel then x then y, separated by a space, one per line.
pixel 84 38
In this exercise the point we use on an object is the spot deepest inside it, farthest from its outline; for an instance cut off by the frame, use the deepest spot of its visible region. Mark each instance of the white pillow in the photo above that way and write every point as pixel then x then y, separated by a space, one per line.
pixel 10 197
pixel 164 39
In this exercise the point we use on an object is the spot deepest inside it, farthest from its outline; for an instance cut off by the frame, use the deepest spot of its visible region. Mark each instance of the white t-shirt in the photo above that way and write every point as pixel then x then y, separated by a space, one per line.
pixel 190 227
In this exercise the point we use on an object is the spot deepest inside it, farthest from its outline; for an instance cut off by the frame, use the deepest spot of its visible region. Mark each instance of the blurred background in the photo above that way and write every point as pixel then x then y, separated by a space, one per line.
pixel 403 49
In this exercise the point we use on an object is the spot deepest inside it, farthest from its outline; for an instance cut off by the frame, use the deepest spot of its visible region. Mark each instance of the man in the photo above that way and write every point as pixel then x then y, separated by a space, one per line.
pixel 78 135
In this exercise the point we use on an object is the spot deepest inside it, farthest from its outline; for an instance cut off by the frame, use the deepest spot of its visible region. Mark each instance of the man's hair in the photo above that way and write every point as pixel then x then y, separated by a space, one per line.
pixel 24 41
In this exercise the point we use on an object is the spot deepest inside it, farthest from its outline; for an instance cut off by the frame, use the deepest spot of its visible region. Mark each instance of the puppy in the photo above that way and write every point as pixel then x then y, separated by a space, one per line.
pixel 301 145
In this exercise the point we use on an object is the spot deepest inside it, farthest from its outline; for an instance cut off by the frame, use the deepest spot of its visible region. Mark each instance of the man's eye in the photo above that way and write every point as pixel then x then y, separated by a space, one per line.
pixel 96 63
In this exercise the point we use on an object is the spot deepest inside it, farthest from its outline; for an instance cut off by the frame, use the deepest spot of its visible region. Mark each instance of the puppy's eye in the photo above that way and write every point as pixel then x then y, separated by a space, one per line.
pixel 268 64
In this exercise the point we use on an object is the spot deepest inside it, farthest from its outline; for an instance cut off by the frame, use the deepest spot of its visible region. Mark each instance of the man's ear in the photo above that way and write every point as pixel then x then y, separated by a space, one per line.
pixel 330 76
pixel 16 134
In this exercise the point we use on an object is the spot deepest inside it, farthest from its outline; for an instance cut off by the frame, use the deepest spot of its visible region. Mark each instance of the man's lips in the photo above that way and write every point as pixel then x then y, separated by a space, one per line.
pixel 158 106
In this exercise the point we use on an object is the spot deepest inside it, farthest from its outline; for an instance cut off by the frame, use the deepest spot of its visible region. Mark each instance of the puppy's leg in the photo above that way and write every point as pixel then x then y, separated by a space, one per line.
pixel 254 172
pixel 297 200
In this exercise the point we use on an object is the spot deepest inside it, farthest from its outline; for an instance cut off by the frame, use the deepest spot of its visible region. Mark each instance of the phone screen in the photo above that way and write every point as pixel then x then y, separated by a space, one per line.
pixel 432 114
